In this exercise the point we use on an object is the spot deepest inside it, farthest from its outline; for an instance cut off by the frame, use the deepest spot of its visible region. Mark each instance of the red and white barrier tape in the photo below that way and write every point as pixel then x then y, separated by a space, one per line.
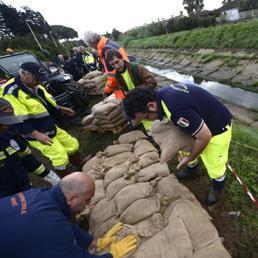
pixel 243 185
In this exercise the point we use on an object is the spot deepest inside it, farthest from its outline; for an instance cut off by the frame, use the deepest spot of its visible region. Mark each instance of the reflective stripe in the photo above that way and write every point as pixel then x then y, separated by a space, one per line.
pixel 10 150
pixel 2 155
pixel 165 109
pixel 39 170
pixel 39 115
pixel 25 153
pixel 127 78
pixel 23 117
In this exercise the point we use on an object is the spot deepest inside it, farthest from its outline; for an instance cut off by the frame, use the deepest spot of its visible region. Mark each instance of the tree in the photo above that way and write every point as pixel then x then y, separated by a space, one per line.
pixel 246 5
pixel 63 32
pixel 115 34
pixel 226 1
pixel 193 6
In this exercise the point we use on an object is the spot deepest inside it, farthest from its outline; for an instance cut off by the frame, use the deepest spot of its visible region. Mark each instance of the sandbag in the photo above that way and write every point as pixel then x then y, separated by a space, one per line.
pixel 99 192
pixel 116 186
pixel 152 171
pixel 103 109
pixel 104 227
pixel 141 209
pixel 132 193
pixel 131 137
pixel 93 162
pixel 143 146
pixel 87 119
pixel 113 150
pixel 170 139
pixel 148 159
pixel 114 173
pixel 117 159
pixel 116 111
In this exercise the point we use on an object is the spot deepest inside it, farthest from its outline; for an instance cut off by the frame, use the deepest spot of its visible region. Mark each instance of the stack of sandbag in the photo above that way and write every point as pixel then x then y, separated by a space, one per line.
pixel 107 115
pixel 93 82
pixel 133 187
pixel 170 139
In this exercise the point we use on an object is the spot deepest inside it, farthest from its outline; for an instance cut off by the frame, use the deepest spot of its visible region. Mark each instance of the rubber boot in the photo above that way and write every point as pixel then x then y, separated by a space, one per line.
pixel 215 191
pixel 187 172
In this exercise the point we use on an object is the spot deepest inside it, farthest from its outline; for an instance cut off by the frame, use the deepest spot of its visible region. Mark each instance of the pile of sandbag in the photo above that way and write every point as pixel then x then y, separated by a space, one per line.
pixel 93 83
pixel 107 115
pixel 133 187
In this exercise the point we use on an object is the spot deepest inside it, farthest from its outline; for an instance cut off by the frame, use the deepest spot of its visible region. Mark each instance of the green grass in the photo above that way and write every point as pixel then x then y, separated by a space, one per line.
pixel 239 35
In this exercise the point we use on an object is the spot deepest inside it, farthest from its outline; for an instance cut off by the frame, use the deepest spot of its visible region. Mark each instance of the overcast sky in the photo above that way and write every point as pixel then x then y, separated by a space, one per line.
pixel 102 16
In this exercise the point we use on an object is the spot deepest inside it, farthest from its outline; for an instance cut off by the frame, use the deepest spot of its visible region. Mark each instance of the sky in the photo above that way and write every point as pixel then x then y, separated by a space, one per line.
pixel 102 16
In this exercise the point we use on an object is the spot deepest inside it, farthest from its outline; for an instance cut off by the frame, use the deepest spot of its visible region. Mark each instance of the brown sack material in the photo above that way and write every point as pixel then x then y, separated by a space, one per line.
pixel 143 146
pixel 96 161
pixel 101 212
pixel 117 159
pixel 132 193
pixel 113 150
pixel 116 186
pixel 215 250
pixel 197 223
pixel 145 228
pixel 104 109
pixel 132 137
pixel 152 171
pixel 87 119
pixel 140 210
pixel 148 159
pixel 99 192
pixel 112 125
pixel 114 173
pixel 170 139
pixel 172 242
pixel 111 115
pixel 170 190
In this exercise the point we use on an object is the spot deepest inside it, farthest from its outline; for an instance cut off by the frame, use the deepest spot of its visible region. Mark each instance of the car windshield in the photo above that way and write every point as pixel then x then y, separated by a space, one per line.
pixel 12 63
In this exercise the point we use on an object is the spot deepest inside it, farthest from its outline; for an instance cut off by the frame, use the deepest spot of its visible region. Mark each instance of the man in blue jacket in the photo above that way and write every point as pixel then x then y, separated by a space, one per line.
pixel 36 223
pixel 196 112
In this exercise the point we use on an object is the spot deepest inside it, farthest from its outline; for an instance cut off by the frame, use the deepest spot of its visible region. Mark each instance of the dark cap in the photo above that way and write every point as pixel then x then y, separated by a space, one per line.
pixel 35 69
pixel 7 116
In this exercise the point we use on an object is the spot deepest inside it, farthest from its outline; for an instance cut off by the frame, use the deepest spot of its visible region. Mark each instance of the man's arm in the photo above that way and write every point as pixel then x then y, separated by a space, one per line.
pixel 147 78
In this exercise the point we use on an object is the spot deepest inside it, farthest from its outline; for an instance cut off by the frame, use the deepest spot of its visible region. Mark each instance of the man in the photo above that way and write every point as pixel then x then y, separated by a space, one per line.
pixel 80 60
pixel 16 159
pixel 36 108
pixel 36 223
pixel 130 75
pixel 196 112
pixel 102 44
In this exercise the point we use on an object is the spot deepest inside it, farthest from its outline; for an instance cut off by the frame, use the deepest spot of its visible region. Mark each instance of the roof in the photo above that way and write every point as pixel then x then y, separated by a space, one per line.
pixel 228 6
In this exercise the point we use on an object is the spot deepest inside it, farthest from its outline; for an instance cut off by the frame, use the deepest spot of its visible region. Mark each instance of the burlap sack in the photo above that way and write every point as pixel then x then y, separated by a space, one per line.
pixel 170 190
pixel 131 137
pixel 119 117
pixel 132 193
pixel 96 174
pixel 103 109
pixel 96 161
pixel 114 173
pixel 117 159
pixel 143 146
pixel 170 139
pixel 148 159
pixel 152 171
pixel 101 212
pixel 104 227
pixel 141 209
pixel 116 186
pixel 99 192
pixel 113 125
pixel 87 119
pixel 197 223
pixel 214 250
pixel 116 111
pixel 113 150
pixel 173 242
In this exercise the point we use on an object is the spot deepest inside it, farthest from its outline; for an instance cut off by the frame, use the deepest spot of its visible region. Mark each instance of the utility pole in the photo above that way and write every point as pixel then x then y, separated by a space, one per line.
pixel 33 34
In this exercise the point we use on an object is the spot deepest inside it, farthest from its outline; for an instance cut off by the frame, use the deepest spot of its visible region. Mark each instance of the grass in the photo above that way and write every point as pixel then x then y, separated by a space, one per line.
pixel 239 35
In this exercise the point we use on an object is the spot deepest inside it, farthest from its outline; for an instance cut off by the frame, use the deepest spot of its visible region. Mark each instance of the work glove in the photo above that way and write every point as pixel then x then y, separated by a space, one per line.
pixel 52 178
pixel 121 248
pixel 109 237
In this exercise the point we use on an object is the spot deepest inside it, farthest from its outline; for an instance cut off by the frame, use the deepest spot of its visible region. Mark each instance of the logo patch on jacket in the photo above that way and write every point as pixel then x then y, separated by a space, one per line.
pixel 183 122
pixel 14 145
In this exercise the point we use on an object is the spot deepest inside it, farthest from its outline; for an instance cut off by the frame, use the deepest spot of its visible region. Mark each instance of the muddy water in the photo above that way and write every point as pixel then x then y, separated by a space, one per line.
pixel 234 95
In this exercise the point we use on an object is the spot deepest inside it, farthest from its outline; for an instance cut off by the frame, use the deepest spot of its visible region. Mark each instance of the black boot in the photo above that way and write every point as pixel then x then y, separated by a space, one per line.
pixel 216 189
pixel 187 172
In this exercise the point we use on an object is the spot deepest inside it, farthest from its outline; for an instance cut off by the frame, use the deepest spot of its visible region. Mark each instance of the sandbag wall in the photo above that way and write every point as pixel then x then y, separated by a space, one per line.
pixel 106 115
pixel 133 187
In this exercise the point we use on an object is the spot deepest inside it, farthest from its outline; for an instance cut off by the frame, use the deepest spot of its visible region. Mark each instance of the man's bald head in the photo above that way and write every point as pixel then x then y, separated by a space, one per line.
pixel 78 189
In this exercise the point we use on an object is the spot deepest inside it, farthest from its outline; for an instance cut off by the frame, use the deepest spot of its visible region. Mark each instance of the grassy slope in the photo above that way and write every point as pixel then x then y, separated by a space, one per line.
pixel 240 35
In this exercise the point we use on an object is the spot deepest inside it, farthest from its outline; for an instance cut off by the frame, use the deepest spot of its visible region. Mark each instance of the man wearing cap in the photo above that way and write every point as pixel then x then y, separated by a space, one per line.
pixel 37 108
pixel 16 159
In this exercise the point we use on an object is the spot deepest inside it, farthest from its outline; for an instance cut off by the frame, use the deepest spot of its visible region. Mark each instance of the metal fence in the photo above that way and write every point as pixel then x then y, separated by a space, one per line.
pixel 242 16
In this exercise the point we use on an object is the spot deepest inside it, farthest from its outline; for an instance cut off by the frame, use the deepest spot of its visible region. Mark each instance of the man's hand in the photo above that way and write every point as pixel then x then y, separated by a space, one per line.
pixel 41 137
pixel 182 162
pixel 67 111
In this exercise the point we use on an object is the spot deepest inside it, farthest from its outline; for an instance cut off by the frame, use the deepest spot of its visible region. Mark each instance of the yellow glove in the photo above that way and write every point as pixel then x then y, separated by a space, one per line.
pixel 109 237
pixel 123 247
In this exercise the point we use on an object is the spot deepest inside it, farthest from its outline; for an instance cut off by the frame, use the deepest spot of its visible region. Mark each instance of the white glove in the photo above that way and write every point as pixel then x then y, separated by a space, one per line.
pixel 52 178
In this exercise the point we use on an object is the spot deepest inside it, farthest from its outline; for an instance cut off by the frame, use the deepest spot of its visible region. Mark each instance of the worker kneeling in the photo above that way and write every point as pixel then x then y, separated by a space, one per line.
pixel 36 109
pixel 36 223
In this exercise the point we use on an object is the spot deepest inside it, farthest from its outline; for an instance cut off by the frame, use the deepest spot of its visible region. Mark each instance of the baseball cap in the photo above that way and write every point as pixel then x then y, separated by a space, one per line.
pixel 7 116
pixel 35 69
